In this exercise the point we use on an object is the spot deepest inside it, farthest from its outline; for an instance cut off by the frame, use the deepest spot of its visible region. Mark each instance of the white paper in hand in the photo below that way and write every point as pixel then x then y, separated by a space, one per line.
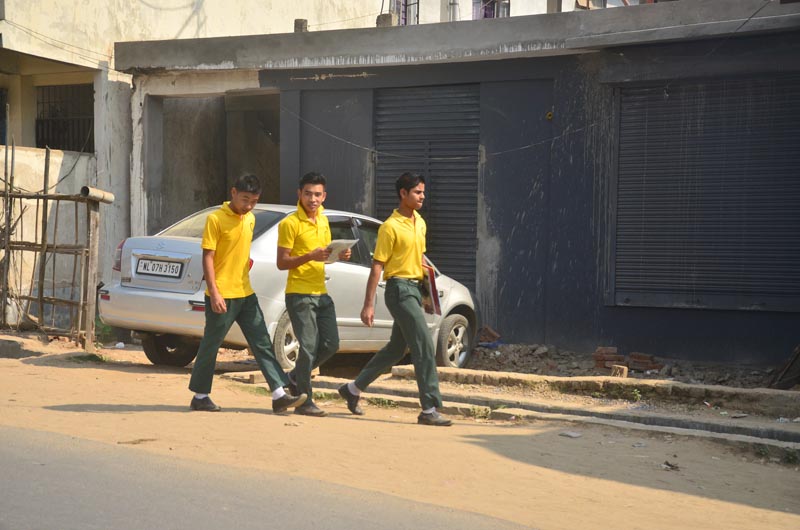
pixel 337 246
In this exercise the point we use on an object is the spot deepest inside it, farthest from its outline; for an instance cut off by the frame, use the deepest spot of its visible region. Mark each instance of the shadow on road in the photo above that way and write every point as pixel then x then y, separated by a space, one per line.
pixel 639 459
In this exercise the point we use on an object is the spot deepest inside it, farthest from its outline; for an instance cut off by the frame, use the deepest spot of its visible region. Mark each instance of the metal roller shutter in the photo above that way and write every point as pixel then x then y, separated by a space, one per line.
pixel 708 195
pixel 434 131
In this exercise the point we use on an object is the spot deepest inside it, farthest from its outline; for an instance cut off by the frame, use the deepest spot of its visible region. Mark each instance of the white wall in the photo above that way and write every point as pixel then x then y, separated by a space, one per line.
pixel 69 171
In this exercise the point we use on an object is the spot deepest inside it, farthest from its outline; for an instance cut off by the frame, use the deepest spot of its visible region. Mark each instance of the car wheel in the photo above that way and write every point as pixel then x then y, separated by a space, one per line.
pixel 286 344
pixel 454 345
pixel 168 350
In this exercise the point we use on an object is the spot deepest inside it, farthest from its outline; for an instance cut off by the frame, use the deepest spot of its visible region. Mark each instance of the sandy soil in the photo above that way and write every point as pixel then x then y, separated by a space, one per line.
pixel 527 473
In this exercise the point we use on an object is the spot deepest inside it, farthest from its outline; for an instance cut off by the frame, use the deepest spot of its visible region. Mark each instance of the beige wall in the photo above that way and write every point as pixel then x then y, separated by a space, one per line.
pixel 68 173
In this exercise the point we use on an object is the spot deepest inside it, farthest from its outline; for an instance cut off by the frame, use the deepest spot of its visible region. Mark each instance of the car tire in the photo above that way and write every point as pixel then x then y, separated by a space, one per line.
pixel 168 350
pixel 286 344
pixel 455 342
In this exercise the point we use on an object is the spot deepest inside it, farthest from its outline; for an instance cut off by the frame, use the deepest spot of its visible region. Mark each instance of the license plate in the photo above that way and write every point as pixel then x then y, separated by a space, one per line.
pixel 159 268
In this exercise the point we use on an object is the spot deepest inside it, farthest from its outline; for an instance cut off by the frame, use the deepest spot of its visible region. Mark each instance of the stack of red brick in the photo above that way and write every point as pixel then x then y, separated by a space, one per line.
pixel 608 356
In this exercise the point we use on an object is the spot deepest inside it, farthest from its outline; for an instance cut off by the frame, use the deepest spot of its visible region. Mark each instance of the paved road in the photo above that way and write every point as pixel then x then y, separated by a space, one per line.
pixel 55 482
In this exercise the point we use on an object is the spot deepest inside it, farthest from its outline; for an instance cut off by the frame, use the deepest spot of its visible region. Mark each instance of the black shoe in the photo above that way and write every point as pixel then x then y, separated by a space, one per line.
pixel 291 387
pixel 310 409
pixel 204 404
pixel 351 400
pixel 434 418
pixel 289 400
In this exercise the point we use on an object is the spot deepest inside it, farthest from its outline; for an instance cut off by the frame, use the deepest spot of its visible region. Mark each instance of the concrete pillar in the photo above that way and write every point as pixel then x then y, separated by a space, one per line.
pixel 386 20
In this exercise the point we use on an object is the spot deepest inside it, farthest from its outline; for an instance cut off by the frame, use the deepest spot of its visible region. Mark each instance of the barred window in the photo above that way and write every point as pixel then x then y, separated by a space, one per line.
pixel 490 9
pixel 65 117
pixel 3 124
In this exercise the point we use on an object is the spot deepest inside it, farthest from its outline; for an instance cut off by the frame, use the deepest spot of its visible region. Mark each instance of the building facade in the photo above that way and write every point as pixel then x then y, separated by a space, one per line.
pixel 622 177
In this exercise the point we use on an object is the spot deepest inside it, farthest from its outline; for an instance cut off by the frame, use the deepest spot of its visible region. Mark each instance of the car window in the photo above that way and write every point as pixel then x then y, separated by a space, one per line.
pixel 368 232
pixel 342 228
pixel 194 225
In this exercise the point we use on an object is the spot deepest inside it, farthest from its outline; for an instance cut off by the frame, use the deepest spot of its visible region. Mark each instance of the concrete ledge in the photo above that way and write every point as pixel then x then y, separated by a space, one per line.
pixel 731 439
pixel 764 401
pixel 491 403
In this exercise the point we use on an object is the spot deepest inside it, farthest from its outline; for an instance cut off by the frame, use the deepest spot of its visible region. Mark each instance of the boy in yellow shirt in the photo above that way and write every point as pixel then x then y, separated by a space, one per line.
pixel 398 255
pixel 230 298
pixel 303 238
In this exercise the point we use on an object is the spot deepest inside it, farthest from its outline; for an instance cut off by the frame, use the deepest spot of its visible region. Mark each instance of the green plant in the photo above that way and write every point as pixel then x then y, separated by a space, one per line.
pixel 480 413
pixel 761 450
pixel 382 402
pixel 103 333
pixel 88 358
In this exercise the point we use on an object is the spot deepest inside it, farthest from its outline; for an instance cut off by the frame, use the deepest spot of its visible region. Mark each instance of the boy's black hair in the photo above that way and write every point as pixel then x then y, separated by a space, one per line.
pixel 248 184
pixel 312 178
pixel 407 181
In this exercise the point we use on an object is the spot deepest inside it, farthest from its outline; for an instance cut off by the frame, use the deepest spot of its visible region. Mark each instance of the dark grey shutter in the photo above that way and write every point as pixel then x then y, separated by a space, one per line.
pixel 434 131
pixel 708 195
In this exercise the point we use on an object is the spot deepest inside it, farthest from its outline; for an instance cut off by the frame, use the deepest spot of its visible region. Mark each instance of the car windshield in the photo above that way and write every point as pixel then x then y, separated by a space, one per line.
pixel 193 225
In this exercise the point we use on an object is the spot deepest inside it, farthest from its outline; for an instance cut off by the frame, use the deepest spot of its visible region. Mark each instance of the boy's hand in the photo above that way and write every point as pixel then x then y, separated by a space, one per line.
pixel 345 255
pixel 319 254
pixel 367 315
pixel 218 304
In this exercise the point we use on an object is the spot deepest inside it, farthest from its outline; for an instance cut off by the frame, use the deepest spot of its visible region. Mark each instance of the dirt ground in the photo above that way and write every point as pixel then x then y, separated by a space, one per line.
pixel 529 473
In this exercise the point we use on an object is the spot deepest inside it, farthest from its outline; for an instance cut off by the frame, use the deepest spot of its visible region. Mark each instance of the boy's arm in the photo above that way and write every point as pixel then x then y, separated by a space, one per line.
pixel 286 261
pixel 217 302
pixel 368 311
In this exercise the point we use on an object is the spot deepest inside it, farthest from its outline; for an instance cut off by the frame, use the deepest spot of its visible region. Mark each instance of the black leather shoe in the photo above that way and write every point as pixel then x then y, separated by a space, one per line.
pixel 351 400
pixel 291 387
pixel 434 418
pixel 204 404
pixel 287 401
pixel 310 409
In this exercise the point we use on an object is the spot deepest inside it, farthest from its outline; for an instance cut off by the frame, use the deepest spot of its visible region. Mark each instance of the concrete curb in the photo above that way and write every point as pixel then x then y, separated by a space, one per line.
pixel 731 439
pixel 763 401
pixel 498 403
pixel 483 404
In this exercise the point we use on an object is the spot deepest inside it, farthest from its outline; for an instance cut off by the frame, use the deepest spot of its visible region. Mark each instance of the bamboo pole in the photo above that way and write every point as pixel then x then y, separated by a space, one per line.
pixel 93 209
pixel 9 211
pixel 43 251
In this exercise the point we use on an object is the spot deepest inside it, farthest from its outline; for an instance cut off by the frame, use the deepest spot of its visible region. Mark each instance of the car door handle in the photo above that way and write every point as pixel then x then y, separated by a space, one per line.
pixel 381 284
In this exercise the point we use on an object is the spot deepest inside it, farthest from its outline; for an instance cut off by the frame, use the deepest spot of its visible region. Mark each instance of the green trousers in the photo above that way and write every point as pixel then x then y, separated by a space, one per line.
pixel 314 323
pixel 247 313
pixel 404 301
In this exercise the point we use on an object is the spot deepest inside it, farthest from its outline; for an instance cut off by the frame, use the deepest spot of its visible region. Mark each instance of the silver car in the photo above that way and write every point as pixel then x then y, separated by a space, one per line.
pixel 157 290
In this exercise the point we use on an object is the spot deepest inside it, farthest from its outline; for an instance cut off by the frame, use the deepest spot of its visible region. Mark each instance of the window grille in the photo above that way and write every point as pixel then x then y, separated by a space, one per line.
pixel 407 12
pixel 65 117
pixel 491 9
pixel 3 125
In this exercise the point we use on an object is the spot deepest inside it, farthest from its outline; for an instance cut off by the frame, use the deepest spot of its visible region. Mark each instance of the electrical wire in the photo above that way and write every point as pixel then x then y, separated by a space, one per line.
pixel 345 20
pixel 47 40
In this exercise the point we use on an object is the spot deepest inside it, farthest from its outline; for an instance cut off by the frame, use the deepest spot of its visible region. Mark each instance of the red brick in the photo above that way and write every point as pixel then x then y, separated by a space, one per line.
pixel 610 350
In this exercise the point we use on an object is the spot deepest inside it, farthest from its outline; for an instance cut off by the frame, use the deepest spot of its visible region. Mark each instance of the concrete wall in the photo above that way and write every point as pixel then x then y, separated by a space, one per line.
pixel 69 171
pixel 147 116
pixel 81 37
pixel 543 219
pixel 253 141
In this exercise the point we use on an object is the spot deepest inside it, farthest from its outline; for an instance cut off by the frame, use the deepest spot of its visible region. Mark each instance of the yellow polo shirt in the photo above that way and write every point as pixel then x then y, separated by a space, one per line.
pixel 400 246
pixel 229 235
pixel 299 234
